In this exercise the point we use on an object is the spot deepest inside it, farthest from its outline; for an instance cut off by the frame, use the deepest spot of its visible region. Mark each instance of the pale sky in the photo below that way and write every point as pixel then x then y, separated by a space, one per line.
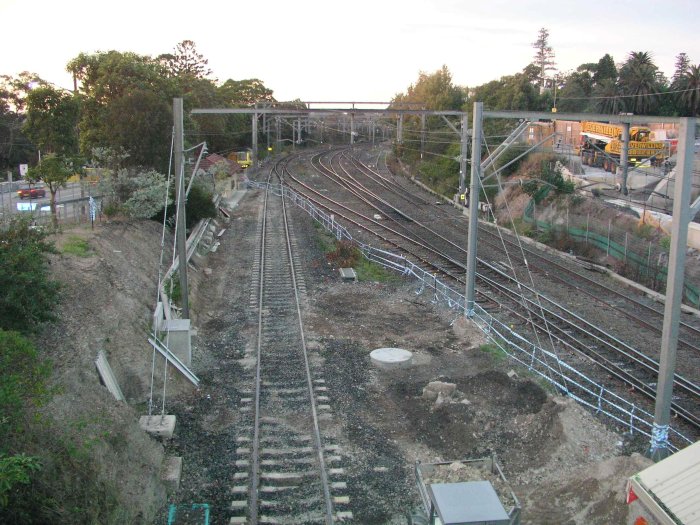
pixel 360 50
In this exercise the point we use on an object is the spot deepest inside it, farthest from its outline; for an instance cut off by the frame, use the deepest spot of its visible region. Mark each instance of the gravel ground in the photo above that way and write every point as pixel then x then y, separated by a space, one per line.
pixel 547 445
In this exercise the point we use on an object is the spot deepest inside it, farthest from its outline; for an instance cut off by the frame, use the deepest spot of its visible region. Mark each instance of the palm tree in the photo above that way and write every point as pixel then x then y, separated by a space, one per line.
pixel 689 97
pixel 639 82
pixel 607 97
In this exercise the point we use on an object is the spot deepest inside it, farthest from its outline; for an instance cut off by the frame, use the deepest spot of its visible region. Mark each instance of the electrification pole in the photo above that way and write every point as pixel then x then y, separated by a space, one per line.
pixel 674 289
pixel 624 156
pixel 469 295
pixel 255 139
pixel 181 233
pixel 463 158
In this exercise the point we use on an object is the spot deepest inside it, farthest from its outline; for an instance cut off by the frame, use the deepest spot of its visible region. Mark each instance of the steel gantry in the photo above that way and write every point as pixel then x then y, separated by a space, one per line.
pixel 683 212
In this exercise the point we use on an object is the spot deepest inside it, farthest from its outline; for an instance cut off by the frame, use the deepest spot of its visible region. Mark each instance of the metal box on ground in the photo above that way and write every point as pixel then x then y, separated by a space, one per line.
pixel 467 492
pixel 348 274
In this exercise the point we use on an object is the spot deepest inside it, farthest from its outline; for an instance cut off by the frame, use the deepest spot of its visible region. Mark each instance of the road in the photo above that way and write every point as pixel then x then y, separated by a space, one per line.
pixel 9 201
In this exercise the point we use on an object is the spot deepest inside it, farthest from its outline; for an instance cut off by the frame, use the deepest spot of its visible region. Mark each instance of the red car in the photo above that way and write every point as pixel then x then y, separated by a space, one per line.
pixel 33 191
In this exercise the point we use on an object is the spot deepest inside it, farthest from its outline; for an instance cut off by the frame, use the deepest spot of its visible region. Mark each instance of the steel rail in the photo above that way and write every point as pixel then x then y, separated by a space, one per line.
pixel 641 385
pixel 255 485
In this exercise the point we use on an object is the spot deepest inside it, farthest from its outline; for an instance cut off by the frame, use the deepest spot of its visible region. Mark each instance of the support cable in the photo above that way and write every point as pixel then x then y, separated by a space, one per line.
pixel 529 274
pixel 160 264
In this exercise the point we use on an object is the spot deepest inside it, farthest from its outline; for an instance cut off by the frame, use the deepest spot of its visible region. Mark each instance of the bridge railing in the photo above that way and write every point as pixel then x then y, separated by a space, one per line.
pixel 565 378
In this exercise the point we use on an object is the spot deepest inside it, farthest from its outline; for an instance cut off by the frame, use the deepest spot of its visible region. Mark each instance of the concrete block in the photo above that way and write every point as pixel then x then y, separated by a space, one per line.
pixel 348 274
pixel 163 426
pixel 171 472
pixel 179 339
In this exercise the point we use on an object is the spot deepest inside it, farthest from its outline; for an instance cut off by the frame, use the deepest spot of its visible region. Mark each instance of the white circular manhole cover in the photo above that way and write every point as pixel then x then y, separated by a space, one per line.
pixel 391 357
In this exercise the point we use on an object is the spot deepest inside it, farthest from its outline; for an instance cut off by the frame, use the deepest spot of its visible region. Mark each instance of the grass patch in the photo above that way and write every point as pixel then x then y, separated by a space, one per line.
pixel 369 271
pixel 493 350
pixel 77 246
pixel 344 254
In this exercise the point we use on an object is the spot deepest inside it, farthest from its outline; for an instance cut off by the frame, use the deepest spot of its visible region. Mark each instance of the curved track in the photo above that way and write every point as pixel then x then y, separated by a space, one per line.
pixel 414 224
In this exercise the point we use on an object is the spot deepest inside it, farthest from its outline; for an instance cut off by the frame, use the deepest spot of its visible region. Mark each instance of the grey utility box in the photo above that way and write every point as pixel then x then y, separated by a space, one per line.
pixel 462 493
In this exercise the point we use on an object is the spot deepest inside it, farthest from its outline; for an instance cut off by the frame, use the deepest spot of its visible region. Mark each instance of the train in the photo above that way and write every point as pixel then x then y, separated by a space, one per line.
pixel 243 158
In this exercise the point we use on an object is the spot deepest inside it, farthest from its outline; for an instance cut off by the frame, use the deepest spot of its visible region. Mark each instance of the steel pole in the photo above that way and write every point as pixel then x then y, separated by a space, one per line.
pixel 254 160
pixel 469 295
pixel 659 448
pixel 181 233
pixel 463 158
pixel 352 129
pixel 624 157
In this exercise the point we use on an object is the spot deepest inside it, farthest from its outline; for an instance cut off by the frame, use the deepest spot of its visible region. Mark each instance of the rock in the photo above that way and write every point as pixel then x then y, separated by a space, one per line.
pixel 433 390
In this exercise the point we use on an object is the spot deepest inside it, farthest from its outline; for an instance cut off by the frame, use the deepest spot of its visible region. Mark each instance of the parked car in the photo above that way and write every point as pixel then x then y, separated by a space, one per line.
pixel 32 191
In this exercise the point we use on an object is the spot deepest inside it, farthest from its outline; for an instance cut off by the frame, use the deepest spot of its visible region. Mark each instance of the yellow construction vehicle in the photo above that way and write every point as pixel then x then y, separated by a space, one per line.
pixel 601 146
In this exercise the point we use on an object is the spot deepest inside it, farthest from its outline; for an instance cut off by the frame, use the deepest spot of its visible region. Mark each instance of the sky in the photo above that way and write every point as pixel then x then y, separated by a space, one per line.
pixel 338 50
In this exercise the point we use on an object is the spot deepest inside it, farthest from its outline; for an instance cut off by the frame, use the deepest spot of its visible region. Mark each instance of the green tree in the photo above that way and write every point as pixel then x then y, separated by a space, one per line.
pixel 54 171
pixel 245 93
pixel 640 83
pixel 605 70
pixel 607 97
pixel 185 61
pixel 574 95
pixel 689 97
pixel 682 65
pixel 432 91
pixel 52 119
pixel 127 103
pixel 544 55
pixel 27 295
pixel 15 146
pixel 140 124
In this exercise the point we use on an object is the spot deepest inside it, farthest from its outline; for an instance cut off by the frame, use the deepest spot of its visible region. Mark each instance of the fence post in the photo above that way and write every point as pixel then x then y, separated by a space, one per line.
pixel 534 215
pixel 609 227
pixel 649 261
pixel 625 259
pixel 588 219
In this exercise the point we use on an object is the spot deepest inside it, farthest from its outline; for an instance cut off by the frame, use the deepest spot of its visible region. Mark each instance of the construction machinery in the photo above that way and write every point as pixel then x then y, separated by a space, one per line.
pixel 601 146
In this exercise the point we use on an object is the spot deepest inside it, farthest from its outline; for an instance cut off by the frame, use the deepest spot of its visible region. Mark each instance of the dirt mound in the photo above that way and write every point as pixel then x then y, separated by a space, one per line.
pixel 91 444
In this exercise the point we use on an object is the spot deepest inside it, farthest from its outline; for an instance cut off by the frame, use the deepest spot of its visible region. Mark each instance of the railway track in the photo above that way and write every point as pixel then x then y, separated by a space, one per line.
pixel 568 331
pixel 287 471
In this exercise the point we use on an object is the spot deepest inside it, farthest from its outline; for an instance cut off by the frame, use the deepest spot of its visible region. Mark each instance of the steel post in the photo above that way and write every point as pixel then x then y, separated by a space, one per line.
pixel 674 289
pixel 254 160
pixel 464 151
pixel 181 233
pixel 470 292
pixel 624 157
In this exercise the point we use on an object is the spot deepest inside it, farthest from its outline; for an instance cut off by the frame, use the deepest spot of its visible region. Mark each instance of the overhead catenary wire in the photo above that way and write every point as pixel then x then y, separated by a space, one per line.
pixel 528 273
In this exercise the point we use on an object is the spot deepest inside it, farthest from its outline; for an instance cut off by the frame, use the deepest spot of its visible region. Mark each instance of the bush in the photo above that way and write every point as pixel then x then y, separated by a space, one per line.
pixel 199 205
pixel 22 376
pixel 28 297
pixel 345 255
pixel 15 470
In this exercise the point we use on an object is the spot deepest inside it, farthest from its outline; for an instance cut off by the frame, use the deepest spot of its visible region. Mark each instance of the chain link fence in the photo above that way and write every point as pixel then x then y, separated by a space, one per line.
pixel 639 256
pixel 68 211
